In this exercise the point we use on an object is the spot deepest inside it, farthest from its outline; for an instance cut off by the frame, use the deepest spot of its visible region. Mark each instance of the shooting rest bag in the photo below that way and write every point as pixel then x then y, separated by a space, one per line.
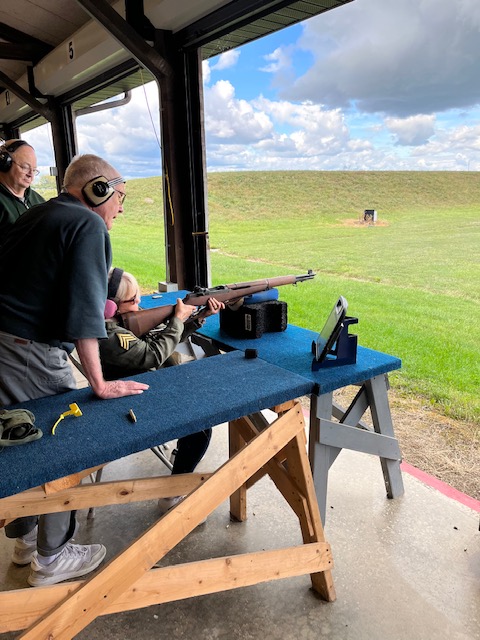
pixel 253 320
pixel 16 427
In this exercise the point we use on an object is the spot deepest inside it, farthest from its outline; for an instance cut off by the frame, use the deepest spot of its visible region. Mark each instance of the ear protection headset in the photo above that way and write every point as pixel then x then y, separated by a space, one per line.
pixel 6 159
pixel 111 306
pixel 98 190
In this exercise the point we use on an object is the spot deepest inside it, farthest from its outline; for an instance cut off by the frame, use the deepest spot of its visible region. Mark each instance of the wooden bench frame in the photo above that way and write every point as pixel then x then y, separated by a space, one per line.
pixel 130 581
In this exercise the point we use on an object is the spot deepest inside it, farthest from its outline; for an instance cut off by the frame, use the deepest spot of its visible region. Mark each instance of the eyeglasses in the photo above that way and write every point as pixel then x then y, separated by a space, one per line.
pixel 121 195
pixel 135 297
pixel 26 168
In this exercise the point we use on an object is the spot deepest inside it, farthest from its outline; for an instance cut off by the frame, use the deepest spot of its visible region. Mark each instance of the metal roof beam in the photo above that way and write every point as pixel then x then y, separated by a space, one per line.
pixel 14 35
pixel 28 52
pixel 20 46
pixel 25 96
pixel 231 16
pixel 126 35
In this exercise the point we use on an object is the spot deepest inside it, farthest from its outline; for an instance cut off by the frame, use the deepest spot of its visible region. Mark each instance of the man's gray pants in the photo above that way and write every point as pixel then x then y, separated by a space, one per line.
pixel 30 370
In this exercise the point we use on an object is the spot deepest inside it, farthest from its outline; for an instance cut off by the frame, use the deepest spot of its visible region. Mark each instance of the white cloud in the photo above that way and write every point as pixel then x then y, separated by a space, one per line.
pixel 41 140
pixel 127 136
pixel 451 149
pixel 314 131
pixel 279 60
pixel 308 136
pixel 226 60
pixel 227 117
pixel 411 131
pixel 401 58
pixel 287 135
pixel 206 71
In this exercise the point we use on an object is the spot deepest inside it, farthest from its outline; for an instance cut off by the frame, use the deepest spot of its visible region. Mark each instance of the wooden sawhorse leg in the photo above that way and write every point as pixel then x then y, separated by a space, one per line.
pixel 128 581
pixel 291 473
pixel 328 438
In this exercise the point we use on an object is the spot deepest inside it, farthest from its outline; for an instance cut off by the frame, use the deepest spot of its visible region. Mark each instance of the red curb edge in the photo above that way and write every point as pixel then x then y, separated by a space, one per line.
pixel 440 486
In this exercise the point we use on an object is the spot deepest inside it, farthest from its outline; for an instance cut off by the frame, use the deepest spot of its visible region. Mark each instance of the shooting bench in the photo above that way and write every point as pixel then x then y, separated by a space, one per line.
pixel 290 350
pixel 43 476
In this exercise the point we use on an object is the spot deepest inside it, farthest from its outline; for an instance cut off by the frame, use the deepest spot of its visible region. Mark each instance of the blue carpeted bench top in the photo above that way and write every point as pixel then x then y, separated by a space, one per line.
pixel 181 400
pixel 292 350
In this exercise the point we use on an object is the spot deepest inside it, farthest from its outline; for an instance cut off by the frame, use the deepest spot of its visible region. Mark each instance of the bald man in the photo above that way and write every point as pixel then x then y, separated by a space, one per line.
pixel 18 168
pixel 54 267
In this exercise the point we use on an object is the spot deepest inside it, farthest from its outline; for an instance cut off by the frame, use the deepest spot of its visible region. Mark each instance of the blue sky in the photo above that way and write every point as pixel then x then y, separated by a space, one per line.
pixel 372 85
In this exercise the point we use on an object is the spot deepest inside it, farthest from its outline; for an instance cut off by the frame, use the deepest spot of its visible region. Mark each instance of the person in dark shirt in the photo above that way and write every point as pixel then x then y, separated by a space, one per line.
pixel 18 168
pixel 47 258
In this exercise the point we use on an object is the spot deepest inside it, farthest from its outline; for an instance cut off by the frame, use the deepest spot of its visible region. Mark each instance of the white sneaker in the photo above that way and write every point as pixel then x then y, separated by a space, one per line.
pixel 24 549
pixel 165 504
pixel 73 561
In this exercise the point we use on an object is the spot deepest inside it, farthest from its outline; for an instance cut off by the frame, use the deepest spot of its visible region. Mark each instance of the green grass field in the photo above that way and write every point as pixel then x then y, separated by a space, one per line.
pixel 412 279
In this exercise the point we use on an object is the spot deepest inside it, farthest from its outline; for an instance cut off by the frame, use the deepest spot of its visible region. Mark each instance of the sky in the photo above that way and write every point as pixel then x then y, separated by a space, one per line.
pixel 373 85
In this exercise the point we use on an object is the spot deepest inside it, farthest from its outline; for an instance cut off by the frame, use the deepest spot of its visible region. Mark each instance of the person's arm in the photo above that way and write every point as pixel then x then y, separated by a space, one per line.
pixel 193 324
pixel 158 345
pixel 124 354
pixel 152 350
pixel 87 349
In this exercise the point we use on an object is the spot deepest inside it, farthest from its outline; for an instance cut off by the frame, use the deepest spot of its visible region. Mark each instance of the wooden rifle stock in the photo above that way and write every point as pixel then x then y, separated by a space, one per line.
pixel 143 321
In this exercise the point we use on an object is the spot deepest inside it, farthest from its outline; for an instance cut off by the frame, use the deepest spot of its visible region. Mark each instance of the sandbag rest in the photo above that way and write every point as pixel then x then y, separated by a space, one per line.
pixel 253 320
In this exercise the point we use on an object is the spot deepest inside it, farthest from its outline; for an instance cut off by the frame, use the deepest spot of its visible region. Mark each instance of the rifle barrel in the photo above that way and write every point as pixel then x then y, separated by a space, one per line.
pixel 266 284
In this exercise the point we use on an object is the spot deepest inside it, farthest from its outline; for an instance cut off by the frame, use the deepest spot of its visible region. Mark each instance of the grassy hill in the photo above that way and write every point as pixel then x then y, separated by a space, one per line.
pixel 332 193
pixel 412 279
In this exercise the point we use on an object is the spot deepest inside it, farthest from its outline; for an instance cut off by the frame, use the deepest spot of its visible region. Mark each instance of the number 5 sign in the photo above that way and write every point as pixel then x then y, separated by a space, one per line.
pixel 70 51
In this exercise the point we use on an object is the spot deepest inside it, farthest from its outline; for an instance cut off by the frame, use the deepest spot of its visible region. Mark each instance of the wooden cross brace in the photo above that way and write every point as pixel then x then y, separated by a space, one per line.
pixel 129 582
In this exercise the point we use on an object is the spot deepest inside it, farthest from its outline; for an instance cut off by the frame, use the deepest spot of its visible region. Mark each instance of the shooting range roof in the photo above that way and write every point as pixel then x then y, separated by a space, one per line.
pixel 36 38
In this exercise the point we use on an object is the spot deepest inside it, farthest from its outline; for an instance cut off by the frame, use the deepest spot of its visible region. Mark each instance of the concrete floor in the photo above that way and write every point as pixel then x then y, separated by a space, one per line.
pixel 405 568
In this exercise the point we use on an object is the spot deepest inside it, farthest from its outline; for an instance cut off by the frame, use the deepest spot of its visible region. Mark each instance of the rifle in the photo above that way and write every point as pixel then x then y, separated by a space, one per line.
pixel 143 321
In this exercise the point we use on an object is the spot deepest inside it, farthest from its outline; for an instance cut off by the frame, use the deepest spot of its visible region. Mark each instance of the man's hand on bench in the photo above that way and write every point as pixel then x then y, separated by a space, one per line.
pixel 120 388
pixel 87 349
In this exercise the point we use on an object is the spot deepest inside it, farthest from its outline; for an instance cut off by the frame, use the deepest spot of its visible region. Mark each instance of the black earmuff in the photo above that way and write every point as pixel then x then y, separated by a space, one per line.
pixel 6 159
pixel 111 306
pixel 97 191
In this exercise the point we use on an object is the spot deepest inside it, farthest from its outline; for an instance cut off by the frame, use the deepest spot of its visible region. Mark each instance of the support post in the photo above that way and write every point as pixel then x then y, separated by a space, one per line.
pixel 184 166
pixel 64 138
